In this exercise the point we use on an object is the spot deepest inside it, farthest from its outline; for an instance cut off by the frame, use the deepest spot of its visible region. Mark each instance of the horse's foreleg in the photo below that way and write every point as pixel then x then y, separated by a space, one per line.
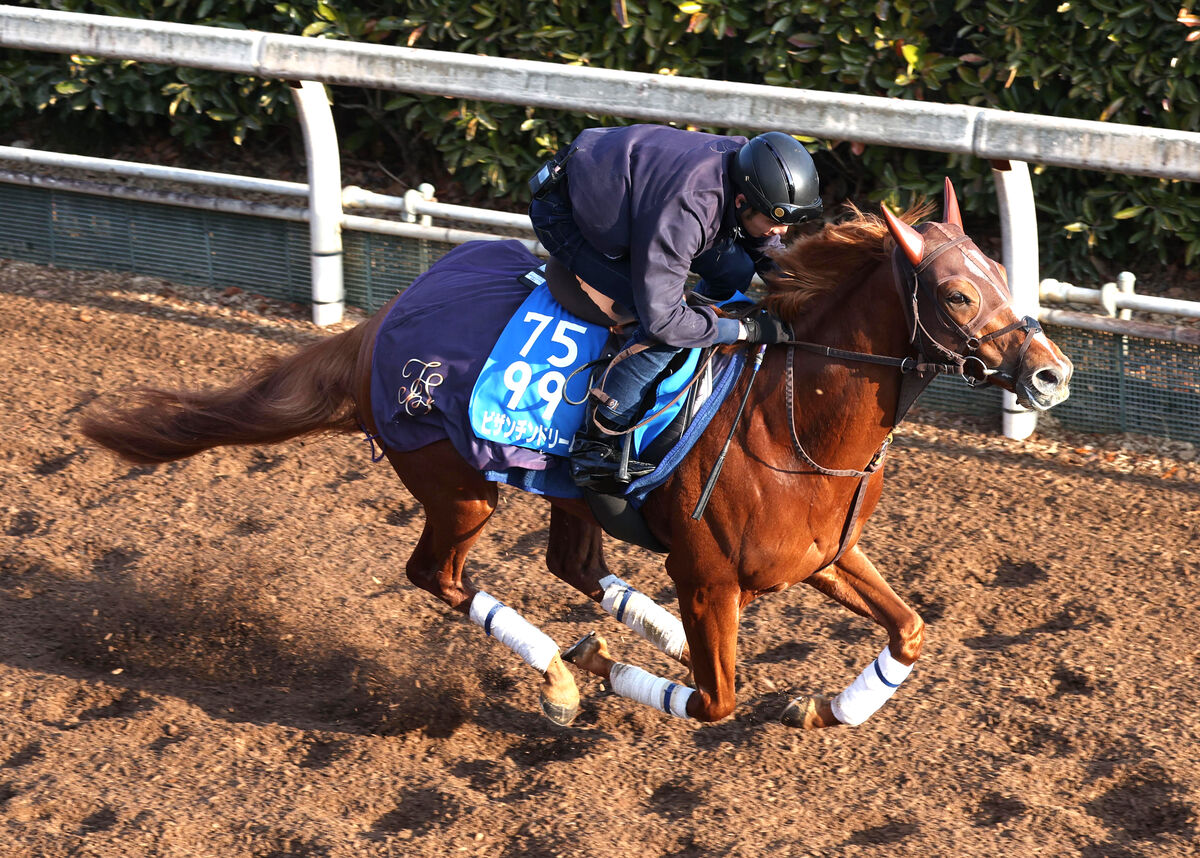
pixel 591 653
pixel 711 616
pixel 458 504
pixel 856 583
pixel 575 554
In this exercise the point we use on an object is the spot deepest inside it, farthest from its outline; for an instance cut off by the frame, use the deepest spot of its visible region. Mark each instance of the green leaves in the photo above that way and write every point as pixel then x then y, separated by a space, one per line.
pixel 1121 61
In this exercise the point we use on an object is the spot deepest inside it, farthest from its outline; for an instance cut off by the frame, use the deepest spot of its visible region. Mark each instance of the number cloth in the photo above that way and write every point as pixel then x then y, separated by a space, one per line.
pixel 519 396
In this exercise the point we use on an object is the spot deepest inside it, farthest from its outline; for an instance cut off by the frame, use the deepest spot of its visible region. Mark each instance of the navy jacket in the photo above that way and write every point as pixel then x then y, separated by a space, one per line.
pixel 659 196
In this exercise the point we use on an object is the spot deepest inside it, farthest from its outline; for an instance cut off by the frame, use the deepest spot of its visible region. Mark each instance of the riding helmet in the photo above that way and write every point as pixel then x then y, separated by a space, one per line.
pixel 778 177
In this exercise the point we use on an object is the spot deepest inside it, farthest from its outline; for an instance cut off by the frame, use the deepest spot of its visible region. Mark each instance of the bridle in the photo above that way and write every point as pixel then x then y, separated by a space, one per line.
pixel 931 358
pixel 993 298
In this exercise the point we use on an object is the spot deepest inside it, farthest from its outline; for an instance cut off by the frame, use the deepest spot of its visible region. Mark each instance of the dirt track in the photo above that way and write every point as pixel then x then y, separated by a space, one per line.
pixel 222 657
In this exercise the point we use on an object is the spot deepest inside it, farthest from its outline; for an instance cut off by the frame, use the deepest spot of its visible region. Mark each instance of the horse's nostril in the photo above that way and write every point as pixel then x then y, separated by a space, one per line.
pixel 1047 379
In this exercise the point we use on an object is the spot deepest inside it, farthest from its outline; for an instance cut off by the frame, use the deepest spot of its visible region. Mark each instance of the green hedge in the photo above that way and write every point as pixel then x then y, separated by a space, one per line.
pixel 1123 61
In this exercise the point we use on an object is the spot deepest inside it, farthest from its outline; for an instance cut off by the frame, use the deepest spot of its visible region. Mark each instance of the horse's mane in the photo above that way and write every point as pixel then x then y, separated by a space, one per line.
pixel 815 264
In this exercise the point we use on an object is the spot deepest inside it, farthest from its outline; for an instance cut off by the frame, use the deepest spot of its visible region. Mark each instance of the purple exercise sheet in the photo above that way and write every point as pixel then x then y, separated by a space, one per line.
pixel 433 344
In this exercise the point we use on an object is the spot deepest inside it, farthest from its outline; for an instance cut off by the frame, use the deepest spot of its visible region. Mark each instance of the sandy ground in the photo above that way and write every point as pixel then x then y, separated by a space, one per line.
pixel 222 657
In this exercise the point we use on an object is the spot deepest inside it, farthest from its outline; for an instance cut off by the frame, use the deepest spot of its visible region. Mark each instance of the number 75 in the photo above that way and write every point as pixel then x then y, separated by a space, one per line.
pixel 561 336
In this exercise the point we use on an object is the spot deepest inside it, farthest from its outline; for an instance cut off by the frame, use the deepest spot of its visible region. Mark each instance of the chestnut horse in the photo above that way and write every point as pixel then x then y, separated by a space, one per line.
pixel 878 307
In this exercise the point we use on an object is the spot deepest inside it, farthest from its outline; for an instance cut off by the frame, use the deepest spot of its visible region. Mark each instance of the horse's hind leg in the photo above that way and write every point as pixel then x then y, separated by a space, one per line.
pixel 856 583
pixel 575 554
pixel 458 502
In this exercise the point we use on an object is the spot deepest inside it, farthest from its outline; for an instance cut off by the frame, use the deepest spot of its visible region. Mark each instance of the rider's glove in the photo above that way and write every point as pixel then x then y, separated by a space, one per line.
pixel 762 327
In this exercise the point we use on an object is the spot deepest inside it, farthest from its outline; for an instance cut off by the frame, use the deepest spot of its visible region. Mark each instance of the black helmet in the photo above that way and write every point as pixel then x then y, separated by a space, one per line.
pixel 778 177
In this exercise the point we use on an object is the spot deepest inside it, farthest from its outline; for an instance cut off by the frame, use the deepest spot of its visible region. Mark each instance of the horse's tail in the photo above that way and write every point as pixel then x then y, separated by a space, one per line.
pixel 311 390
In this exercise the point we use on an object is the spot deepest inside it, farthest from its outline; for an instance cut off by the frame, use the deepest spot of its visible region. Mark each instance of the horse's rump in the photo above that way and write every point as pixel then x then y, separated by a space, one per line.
pixel 433 344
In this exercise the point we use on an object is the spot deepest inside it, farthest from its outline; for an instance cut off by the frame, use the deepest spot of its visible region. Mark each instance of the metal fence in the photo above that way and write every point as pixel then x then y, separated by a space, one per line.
pixel 1006 139
pixel 1122 383
pixel 198 247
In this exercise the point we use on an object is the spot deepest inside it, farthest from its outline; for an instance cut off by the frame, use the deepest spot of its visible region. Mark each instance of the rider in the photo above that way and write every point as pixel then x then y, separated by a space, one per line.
pixel 631 210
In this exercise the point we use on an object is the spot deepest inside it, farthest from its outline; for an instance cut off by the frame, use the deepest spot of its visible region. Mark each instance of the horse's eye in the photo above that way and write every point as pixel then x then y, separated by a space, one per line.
pixel 957 298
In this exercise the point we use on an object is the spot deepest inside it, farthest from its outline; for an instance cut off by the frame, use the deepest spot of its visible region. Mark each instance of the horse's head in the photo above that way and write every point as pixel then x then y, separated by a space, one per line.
pixel 961 309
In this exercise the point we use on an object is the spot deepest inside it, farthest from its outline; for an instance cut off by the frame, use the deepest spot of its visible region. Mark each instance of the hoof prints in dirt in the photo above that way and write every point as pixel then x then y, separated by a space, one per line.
pixel 263 463
pixel 287 845
pixel 1032 738
pixel 172 736
pixel 116 560
pixel 674 801
pixel 402 515
pixel 1072 618
pixel 345 478
pixel 851 631
pixel 1144 805
pixel 533 846
pixel 1068 681
pixel 790 651
pixel 482 775
pixel 252 527
pixel 102 820
pixel 931 610
pixel 52 465
pixel 1012 574
pixel 419 811
pixel 321 753
pixel 889 832
pixel 536 752
pixel 23 757
pixel 27 523
pixel 107 703
pixel 533 542
pixel 122 706
pixel 996 809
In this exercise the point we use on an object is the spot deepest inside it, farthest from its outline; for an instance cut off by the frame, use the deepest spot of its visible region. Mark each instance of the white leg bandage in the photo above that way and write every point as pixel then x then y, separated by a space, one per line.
pixel 514 631
pixel 863 697
pixel 648 619
pixel 663 694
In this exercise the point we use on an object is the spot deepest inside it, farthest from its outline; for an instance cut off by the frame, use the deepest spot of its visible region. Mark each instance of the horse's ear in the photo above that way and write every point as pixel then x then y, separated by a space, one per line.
pixel 910 241
pixel 950 203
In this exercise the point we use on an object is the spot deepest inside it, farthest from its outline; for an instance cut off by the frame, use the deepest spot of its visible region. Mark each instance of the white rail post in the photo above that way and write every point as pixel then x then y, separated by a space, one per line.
pixel 1018 230
pixel 324 201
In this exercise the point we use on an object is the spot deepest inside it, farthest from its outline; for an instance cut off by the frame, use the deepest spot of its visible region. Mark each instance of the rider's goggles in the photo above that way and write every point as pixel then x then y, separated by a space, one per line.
pixel 789 214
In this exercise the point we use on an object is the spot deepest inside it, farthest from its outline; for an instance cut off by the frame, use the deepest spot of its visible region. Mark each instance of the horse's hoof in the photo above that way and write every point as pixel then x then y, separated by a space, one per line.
pixel 582 648
pixel 561 714
pixel 808 713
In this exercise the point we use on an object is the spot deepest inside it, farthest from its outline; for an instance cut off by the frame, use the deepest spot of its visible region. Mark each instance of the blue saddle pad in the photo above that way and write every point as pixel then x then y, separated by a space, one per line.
pixel 533 388
pixel 529 393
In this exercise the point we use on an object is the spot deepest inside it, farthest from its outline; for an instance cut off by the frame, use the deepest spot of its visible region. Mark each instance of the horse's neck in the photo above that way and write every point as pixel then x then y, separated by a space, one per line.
pixel 844 408
pixel 865 314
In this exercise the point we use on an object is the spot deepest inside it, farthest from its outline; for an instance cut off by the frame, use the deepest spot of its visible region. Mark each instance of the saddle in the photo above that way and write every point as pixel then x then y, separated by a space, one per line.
pixel 580 299
pixel 606 480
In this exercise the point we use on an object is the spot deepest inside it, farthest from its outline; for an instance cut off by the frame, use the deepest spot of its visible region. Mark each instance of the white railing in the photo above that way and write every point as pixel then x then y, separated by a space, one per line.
pixel 1006 139
pixel 995 135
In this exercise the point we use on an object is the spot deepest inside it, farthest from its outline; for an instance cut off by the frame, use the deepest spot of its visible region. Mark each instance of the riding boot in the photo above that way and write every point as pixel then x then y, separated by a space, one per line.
pixel 603 462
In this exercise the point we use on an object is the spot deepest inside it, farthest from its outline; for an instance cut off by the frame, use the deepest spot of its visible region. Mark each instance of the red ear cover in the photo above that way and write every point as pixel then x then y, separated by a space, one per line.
pixel 950 203
pixel 910 241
